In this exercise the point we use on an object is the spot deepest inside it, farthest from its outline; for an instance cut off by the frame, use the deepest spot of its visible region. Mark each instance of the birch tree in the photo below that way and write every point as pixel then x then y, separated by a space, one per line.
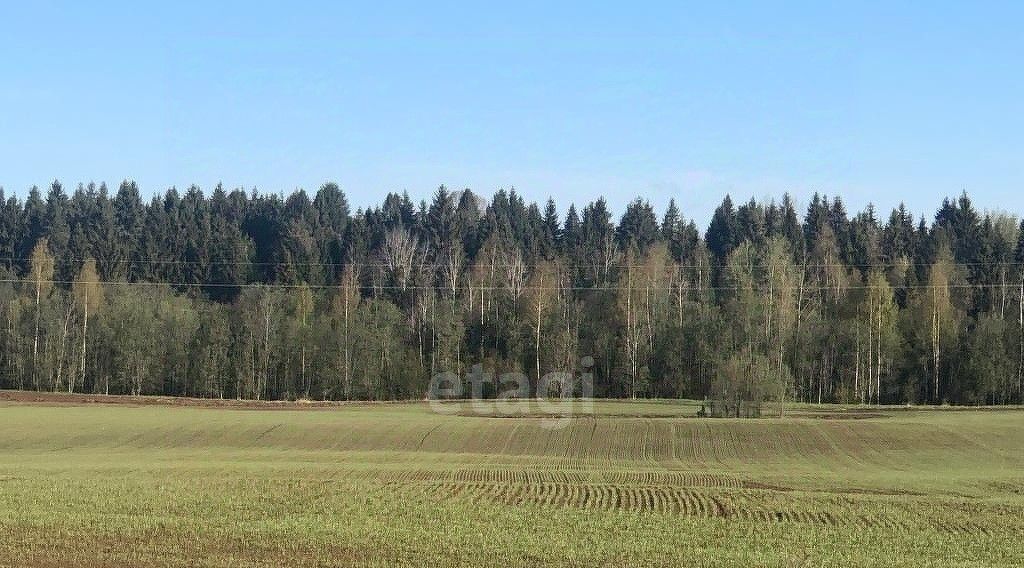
pixel 881 312
pixel 89 296
pixel 400 255
pixel 780 292
pixel 41 269
pixel 941 314
pixel 642 292
pixel 542 295
pixel 303 311
pixel 345 303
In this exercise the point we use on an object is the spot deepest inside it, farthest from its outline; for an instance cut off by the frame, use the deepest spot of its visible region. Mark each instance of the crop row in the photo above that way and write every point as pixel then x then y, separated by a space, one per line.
pixel 747 505
pixel 547 476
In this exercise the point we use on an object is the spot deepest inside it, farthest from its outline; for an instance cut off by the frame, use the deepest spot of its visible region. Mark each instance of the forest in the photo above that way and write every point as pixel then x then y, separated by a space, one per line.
pixel 240 294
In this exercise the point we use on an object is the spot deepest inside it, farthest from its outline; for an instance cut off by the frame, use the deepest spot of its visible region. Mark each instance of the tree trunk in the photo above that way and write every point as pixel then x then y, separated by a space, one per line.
pixel 797 352
pixel 85 330
pixel 266 356
pixel 1020 361
pixel 935 346
pixel 35 337
pixel 60 356
pixel 856 369
pixel 878 361
pixel 536 343
pixel 346 374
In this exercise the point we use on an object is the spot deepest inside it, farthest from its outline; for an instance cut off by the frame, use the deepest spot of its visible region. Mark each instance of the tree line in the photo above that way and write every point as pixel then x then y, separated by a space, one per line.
pixel 257 295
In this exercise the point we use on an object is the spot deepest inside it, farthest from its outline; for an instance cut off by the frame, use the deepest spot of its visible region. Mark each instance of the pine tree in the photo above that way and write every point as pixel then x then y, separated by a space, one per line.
pixel 751 224
pixel 638 228
pixel 571 233
pixel 670 222
pixel 722 234
pixel 332 219
pixel 552 235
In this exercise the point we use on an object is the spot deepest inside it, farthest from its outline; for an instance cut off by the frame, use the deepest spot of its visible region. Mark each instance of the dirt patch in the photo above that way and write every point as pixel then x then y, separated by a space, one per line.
pixel 763 486
pixel 882 492
pixel 553 415
pixel 78 399
pixel 838 415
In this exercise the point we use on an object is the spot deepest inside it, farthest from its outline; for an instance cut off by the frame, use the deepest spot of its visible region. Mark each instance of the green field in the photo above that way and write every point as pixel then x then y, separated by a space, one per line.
pixel 624 484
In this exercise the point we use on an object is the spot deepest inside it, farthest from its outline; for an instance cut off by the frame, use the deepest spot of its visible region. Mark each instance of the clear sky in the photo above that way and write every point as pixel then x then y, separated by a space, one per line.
pixel 874 102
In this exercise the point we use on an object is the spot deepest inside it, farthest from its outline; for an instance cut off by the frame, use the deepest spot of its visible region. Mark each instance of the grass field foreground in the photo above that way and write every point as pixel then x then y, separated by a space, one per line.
pixel 640 484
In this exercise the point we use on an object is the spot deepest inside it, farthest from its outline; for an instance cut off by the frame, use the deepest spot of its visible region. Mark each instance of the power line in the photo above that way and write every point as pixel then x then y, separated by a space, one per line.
pixel 811 288
pixel 363 264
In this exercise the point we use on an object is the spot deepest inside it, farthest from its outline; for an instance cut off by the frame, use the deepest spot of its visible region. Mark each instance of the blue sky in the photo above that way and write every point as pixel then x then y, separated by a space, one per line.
pixel 874 102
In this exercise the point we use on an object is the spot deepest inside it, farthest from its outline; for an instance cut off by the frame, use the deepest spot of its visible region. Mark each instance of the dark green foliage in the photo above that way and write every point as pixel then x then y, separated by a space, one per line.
pixel 723 233
pixel 251 295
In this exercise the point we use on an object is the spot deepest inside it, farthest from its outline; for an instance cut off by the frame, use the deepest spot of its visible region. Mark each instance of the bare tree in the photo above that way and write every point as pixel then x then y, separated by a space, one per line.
pixel 639 302
pixel 515 273
pixel 346 302
pixel 542 293
pixel 452 263
pixel 780 312
pixel 303 311
pixel 400 254
pixel 882 312
pixel 941 313
pixel 1020 335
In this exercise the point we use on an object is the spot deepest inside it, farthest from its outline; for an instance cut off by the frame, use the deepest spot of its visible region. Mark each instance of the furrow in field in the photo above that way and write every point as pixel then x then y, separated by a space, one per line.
pixel 746 505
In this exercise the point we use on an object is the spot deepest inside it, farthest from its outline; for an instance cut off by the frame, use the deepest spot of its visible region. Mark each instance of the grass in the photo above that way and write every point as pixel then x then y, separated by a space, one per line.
pixel 623 483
